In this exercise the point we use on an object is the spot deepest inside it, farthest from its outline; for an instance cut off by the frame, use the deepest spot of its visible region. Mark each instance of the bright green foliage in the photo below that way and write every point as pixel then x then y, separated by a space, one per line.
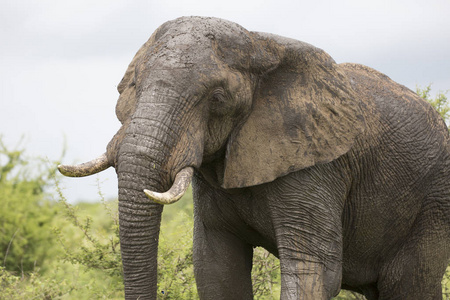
pixel 348 295
pixel 440 102
pixel 100 249
pixel 175 266
pixel 26 216
pixel 91 249
pixel 265 275
pixel 446 284
pixel 31 255
pixel 31 287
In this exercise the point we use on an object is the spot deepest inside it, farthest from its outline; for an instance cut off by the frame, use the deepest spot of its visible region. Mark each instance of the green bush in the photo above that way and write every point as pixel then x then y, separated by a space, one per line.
pixel 26 215
pixel 35 238
pixel 91 248
pixel 440 102
pixel 33 286
pixel 265 275
pixel 100 247
pixel 175 266
pixel 446 284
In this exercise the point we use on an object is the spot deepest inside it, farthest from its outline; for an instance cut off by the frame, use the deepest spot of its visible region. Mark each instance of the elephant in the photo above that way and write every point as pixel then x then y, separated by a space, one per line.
pixel 338 171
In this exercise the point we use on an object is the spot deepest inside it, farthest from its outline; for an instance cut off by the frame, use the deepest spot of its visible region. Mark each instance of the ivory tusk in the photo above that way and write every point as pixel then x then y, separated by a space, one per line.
pixel 179 187
pixel 88 168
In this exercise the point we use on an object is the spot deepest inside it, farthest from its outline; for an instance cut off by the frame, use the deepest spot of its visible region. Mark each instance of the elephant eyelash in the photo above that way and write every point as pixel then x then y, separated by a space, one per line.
pixel 133 82
pixel 219 101
pixel 218 98
pixel 218 95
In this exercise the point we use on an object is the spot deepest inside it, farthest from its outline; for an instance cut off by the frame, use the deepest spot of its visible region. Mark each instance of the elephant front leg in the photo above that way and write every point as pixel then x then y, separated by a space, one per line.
pixel 306 217
pixel 310 257
pixel 303 277
pixel 222 265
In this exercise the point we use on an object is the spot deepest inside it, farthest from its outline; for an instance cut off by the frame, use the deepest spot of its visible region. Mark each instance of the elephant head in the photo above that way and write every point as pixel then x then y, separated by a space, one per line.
pixel 241 108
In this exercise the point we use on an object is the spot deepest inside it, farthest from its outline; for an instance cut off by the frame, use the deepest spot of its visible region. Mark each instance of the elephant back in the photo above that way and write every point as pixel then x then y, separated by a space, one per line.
pixel 404 130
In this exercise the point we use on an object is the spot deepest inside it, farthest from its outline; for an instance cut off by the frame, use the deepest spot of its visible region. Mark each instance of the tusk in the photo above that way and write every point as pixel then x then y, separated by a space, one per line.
pixel 88 168
pixel 179 187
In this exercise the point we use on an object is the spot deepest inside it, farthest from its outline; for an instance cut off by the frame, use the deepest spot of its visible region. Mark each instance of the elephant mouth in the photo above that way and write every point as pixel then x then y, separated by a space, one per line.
pixel 180 185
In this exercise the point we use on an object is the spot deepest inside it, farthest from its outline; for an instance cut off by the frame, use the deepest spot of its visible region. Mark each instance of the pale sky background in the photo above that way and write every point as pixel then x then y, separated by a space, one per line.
pixel 60 61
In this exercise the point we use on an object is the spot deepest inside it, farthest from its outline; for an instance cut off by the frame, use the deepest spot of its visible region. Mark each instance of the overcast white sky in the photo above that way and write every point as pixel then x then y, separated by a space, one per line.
pixel 60 61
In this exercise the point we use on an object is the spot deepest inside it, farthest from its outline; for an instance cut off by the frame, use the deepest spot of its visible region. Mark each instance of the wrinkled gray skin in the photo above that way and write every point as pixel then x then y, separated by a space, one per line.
pixel 338 171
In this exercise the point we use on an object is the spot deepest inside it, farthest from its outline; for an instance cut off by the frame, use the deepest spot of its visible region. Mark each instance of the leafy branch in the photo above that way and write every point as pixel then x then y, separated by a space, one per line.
pixel 96 252
pixel 440 102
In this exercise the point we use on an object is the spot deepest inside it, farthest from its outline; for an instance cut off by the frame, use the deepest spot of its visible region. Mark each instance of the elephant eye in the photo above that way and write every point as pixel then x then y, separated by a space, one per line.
pixel 133 82
pixel 218 97
pixel 219 103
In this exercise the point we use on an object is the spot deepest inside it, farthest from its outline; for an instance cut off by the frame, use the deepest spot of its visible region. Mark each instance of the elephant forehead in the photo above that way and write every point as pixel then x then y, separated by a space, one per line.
pixel 200 27
pixel 181 51
pixel 190 33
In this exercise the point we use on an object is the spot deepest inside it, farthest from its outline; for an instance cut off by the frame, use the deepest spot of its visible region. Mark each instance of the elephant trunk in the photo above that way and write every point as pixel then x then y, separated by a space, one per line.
pixel 145 162
pixel 139 221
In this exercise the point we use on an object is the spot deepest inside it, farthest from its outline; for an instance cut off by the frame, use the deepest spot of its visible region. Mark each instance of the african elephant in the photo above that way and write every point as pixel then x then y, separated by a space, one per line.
pixel 341 173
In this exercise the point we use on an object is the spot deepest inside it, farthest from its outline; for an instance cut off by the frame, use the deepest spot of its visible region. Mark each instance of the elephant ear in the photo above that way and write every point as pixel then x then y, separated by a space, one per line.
pixel 304 113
